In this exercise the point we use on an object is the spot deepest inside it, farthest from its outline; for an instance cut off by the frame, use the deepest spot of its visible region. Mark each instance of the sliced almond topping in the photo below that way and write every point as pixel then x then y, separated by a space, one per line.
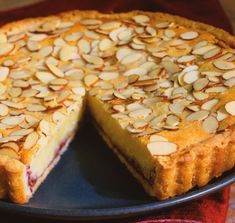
pixel 13 120
pixel 4 71
pixel 68 53
pixel 172 120
pixel 33 45
pixel 229 74
pixel 3 110
pixel 105 44
pixel 230 107
pixel 45 127
pixel 186 59
pixel 141 19
pixel 79 91
pixel 90 79
pixel 110 25
pixel 133 78
pixel 93 59
pixel 162 25
pixel 11 145
pixel 45 77
pixel 55 70
pixel 59 81
pixel 131 58
pixel 15 92
pixel 230 82
pixel 189 35
pixel 8 151
pixel 31 140
pixel 73 36
pixel 197 116
pixel 157 138
pixel 84 46
pixel 212 53
pixel 202 50
pixel 223 65
pixel 108 75
pixel 216 89
pixel 119 108
pixel 221 114
pixel 209 104
pixel 90 22
pixel 140 113
pixel 140 125
pixel 161 148
pixel 210 124
pixel 169 33
pixel 21 132
pixel 200 84
pixel 191 76
pixel 6 48
pixel 35 108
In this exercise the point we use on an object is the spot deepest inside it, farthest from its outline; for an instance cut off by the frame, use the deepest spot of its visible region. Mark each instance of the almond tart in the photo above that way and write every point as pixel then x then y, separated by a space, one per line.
pixel 160 88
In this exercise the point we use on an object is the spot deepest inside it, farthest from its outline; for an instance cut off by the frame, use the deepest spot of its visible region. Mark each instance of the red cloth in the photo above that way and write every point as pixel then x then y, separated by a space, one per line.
pixel 210 209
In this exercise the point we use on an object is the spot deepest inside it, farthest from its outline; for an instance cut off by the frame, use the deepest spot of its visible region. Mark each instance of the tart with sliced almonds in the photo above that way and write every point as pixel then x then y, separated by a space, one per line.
pixel 160 88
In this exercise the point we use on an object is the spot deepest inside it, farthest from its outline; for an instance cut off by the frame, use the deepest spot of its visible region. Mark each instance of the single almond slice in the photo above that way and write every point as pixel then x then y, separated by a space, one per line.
pixel 201 83
pixel 157 138
pixel 11 145
pixel 105 44
pixel 230 107
pixel 108 75
pixel 90 79
pixel 197 116
pixel 209 104
pixel 4 71
pixel 212 53
pixel 131 58
pixel 3 110
pixel 161 148
pixel 224 65
pixel 45 127
pixel 84 46
pixel 31 140
pixel 9 152
pixel 189 35
pixel 45 77
pixel 229 74
pixel 210 124
pixel 6 48
pixel 110 25
pixel 186 59
pixel 21 132
pixel 141 19
pixel 140 113
pixel 36 108
pixel 191 76
pixel 13 120
pixel 55 70
pixel 93 59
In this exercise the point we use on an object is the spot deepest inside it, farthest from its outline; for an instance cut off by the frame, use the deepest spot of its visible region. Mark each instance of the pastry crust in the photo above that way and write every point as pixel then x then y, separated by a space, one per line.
pixel 194 165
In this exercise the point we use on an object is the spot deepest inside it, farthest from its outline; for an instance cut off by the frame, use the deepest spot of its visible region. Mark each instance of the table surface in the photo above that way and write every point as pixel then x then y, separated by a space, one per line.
pixel 229 9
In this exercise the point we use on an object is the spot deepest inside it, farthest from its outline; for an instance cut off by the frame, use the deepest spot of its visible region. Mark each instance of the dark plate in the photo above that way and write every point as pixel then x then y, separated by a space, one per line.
pixel 90 183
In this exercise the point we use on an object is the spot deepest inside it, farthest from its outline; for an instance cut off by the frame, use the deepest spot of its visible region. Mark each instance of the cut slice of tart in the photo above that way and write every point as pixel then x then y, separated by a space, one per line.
pixel 161 90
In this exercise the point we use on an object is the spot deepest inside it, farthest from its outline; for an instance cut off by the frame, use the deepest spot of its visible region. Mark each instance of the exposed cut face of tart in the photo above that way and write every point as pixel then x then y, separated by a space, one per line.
pixel 160 89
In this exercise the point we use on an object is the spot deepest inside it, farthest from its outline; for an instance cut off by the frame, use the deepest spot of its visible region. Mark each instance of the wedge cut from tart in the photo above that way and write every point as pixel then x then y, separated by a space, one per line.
pixel 160 89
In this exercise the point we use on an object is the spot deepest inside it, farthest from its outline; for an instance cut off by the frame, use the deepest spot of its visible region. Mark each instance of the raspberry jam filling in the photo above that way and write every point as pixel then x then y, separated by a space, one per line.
pixel 32 179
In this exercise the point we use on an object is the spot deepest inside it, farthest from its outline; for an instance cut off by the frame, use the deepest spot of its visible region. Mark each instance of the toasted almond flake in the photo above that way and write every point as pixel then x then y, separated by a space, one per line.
pixel 221 114
pixel 105 44
pixel 45 77
pixel 8 63
pixel 191 76
pixel 209 104
pixel 8 151
pixel 200 95
pixel 172 120
pixel 119 95
pixel 11 145
pixel 216 89
pixel 6 48
pixel 201 83
pixel 212 53
pixel 55 70
pixel 91 35
pixel 161 148
pixel 21 132
pixel 33 45
pixel 157 138
pixel 133 78
pixel 197 116
pixel 93 59
pixel 90 22
pixel 31 140
pixel 59 81
pixel 141 19
pixel 45 51
pixel 230 82
pixel 230 107
pixel 3 110
pixel 15 92
pixel 18 75
pixel 169 33
pixel 186 59
pixel 73 36
pixel 38 37
pixel 140 124
pixel 79 91
pixel 45 127
pixel 110 25
pixel 170 66
pixel 189 35
pixel 210 124
pixel 4 71
pixel 162 25
pixel 229 74
pixel 140 113
pixel 119 108
pixel 132 129
pixel 68 52
pixel 211 73
pixel 13 105
pixel 13 120
pixel 203 49
pixel 108 75
pixel 90 79
pixel 131 58
pixel 84 46
pixel 224 65
pixel 36 108
pixel 123 52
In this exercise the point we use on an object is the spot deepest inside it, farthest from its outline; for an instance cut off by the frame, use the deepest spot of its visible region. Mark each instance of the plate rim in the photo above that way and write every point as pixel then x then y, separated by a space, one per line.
pixel 119 212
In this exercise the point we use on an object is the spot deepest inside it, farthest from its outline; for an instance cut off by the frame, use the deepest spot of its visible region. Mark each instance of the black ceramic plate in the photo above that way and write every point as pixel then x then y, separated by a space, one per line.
pixel 90 183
